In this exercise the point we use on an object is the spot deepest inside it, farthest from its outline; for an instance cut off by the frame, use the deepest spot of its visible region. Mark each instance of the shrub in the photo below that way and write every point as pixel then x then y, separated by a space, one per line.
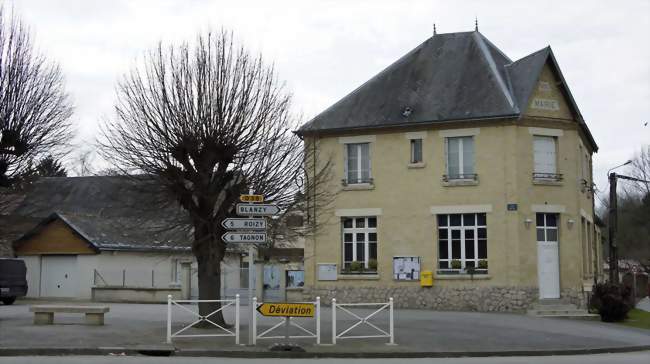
pixel 612 301
pixel 356 266
pixel 372 264
pixel 455 264
pixel 482 264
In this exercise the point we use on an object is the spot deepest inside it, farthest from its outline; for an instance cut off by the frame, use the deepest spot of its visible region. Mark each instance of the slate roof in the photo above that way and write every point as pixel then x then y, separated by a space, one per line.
pixel 449 77
pixel 109 212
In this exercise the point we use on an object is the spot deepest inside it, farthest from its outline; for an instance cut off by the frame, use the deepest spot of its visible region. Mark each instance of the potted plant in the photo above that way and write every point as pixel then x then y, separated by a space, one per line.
pixel 482 266
pixel 372 265
pixel 456 264
pixel 356 267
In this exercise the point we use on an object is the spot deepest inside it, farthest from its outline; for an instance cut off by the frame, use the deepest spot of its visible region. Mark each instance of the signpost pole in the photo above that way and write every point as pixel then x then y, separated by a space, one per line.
pixel 250 231
pixel 251 282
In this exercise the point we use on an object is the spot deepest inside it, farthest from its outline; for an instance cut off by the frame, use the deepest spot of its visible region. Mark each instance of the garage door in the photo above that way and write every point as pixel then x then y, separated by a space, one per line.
pixel 60 276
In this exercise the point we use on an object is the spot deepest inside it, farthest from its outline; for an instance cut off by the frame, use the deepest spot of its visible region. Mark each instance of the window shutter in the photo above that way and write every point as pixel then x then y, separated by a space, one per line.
pixel 468 155
pixel 545 156
pixel 453 157
pixel 365 161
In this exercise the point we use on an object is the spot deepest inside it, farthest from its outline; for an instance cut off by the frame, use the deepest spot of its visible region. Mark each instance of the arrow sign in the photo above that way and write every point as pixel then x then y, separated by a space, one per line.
pixel 287 309
pixel 245 209
pixel 244 238
pixel 244 224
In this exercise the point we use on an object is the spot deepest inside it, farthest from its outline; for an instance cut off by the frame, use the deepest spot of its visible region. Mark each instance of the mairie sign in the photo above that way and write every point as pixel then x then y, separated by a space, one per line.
pixel 234 223
pixel 244 209
pixel 287 309
pixel 241 237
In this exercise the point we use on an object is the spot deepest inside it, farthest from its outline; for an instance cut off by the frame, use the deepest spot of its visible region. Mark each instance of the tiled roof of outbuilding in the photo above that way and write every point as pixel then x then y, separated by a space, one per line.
pixel 110 212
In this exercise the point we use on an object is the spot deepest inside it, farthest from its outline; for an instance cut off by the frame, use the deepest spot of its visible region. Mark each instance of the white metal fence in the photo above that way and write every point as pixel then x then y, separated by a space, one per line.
pixel 361 320
pixel 286 323
pixel 224 331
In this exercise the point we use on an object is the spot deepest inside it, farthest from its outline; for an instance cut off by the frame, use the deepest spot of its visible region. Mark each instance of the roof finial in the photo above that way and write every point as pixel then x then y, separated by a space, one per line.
pixel 476 23
pixel 434 29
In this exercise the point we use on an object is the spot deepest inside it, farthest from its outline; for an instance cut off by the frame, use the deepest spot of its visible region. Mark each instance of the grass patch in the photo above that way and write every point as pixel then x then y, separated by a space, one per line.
pixel 638 318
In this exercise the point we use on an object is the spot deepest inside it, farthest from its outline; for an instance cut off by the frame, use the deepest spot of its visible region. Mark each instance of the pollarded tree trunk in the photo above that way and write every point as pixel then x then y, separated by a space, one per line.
pixel 209 252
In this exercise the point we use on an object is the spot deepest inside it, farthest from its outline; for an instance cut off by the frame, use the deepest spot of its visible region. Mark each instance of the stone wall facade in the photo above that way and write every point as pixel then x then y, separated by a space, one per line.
pixel 483 299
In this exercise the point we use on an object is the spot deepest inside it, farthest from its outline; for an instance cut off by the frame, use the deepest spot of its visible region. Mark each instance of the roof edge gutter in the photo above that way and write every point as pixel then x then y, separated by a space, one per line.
pixel 402 125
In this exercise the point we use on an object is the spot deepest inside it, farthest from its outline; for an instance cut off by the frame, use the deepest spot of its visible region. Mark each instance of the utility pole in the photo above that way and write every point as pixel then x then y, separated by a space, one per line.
pixel 613 224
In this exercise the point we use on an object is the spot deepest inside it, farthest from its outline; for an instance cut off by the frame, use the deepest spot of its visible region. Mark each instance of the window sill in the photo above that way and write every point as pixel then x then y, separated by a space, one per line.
pixel 294 288
pixel 460 182
pixel 547 182
pixel 359 187
pixel 416 165
pixel 361 277
pixel 461 277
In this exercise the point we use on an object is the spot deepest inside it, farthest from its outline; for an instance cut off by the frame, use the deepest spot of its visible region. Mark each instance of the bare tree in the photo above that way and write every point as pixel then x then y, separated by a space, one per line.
pixel 82 162
pixel 34 107
pixel 211 122
pixel 640 168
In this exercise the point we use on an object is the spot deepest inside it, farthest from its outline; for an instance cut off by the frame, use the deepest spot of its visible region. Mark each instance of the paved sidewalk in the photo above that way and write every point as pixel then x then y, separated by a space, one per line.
pixel 418 333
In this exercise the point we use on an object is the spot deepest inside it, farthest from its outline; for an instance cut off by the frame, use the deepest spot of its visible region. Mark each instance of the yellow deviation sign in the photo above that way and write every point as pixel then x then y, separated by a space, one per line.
pixel 287 309
pixel 251 198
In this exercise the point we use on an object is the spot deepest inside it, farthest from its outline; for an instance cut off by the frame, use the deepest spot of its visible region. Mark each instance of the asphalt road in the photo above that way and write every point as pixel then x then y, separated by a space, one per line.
pixel 624 358
pixel 133 325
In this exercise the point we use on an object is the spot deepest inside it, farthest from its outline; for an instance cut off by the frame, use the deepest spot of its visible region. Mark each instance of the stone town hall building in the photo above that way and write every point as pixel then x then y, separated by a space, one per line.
pixel 459 161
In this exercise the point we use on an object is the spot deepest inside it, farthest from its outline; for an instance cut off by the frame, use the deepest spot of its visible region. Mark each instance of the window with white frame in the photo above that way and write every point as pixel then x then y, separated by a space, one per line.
pixel 460 157
pixel 547 227
pixel 462 241
pixel 545 157
pixel 357 163
pixel 416 150
pixel 359 241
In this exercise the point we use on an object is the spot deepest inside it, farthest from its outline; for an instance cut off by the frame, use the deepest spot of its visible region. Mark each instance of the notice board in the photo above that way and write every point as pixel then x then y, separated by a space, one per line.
pixel 406 268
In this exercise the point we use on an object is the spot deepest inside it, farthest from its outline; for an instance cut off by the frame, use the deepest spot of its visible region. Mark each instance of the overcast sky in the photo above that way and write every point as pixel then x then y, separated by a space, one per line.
pixel 325 49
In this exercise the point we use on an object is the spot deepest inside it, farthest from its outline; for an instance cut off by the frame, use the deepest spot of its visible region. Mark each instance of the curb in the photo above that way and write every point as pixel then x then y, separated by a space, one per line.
pixel 159 351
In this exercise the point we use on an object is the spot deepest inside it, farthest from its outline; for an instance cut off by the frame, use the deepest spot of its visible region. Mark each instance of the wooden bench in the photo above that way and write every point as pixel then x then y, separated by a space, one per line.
pixel 44 314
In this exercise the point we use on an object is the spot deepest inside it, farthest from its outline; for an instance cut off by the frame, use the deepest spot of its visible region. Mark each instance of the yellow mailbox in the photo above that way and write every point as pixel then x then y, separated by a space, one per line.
pixel 426 278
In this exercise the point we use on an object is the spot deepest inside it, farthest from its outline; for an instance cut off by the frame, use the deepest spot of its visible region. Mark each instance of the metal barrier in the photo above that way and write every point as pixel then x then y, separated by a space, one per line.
pixel 225 303
pixel 363 320
pixel 287 322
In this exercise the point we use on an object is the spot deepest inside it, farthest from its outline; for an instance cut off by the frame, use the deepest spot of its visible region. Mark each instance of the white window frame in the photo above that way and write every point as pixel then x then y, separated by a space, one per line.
pixel 545 227
pixel 463 228
pixel 359 178
pixel 461 161
pixel 366 230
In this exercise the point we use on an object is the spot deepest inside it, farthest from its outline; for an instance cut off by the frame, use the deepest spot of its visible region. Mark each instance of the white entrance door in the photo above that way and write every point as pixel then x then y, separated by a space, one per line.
pixel 59 277
pixel 548 259
pixel 548 269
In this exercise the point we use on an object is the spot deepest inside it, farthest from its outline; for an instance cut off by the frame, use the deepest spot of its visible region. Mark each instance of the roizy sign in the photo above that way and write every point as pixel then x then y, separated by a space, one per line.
pixel 234 223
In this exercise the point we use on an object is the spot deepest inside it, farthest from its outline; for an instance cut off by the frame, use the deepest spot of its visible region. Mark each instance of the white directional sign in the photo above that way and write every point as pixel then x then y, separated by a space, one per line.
pixel 244 237
pixel 245 209
pixel 244 224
